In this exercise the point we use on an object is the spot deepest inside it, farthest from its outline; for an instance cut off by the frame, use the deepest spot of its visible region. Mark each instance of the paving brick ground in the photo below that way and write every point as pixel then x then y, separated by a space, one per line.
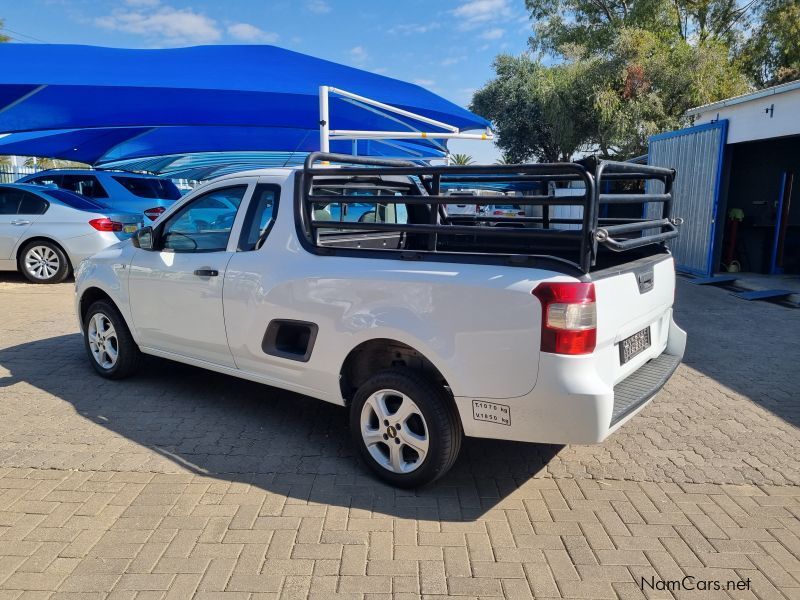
pixel 180 482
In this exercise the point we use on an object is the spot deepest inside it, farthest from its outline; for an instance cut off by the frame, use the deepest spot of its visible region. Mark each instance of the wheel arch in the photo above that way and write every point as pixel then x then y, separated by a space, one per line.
pixel 377 354
pixel 91 295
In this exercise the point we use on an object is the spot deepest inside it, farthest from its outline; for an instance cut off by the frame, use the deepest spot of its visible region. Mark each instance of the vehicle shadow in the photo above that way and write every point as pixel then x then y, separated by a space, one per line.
pixel 12 277
pixel 750 347
pixel 283 442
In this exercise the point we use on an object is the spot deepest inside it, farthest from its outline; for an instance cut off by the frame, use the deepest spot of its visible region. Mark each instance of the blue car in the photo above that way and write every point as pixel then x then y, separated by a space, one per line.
pixel 122 191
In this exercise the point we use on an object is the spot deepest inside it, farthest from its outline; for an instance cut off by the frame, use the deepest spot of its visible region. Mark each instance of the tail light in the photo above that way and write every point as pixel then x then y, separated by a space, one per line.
pixel 154 213
pixel 569 317
pixel 498 212
pixel 105 224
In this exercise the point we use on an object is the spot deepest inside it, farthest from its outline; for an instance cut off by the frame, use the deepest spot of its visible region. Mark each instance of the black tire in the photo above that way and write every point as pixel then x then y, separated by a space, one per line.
pixel 444 430
pixel 128 353
pixel 44 251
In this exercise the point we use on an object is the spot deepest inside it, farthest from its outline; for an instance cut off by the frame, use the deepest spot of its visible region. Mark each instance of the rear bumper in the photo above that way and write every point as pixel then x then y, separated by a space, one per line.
pixel 571 404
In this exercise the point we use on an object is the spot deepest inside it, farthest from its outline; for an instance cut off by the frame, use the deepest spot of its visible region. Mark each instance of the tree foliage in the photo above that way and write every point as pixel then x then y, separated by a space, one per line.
pixel 621 70
pixel 461 159
pixel 772 54
pixel 593 25
pixel 535 108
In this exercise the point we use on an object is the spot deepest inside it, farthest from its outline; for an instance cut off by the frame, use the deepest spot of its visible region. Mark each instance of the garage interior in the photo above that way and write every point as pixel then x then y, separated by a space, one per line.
pixel 760 207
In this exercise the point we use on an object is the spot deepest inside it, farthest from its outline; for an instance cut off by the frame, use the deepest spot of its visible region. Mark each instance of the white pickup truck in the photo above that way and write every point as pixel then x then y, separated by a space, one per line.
pixel 428 326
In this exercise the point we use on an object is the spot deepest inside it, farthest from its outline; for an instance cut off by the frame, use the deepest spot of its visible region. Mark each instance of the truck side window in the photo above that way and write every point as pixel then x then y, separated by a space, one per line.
pixel 204 225
pixel 260 217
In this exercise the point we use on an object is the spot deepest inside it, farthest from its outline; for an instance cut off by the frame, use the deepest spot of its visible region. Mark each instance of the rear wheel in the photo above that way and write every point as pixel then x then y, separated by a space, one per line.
pixel 44 262
pixel 406 428
pixel 109 344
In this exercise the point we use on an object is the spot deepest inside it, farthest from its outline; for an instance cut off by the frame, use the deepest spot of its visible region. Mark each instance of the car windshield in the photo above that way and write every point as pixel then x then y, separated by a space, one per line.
pixel 154 187
pixel 74 201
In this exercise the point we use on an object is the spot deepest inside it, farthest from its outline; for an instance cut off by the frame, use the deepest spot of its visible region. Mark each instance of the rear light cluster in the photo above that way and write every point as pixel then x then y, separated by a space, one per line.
pixel 569 317
pixel 105 224
pixel 154 213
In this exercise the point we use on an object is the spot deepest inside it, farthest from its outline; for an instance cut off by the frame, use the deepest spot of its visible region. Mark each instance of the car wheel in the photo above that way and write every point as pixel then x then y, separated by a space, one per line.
pixel 44 262
pixel 405 427
pixel 108 341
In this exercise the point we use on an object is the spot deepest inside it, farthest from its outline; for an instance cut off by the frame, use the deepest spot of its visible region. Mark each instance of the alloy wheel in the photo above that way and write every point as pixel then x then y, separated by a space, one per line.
pixel 103 341
pixel 42 262
pixel 394 431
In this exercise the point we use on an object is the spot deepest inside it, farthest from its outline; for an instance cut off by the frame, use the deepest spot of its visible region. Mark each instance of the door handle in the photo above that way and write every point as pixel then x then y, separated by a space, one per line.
pixel 20 222
pixel 206 272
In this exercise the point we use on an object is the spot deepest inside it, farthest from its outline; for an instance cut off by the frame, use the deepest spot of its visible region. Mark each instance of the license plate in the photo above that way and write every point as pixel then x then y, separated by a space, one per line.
pixel 130 228
pixel 634 345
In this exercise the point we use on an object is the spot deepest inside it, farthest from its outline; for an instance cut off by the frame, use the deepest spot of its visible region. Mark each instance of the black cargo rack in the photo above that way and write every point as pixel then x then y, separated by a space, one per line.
pixel 423 187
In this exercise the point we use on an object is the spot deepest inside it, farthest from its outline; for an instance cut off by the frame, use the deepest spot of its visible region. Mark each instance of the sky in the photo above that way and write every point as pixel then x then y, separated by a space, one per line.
pixel 446 46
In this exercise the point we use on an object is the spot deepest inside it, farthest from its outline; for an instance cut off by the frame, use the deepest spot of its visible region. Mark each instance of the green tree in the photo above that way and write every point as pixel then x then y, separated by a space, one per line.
pixel 537 111
pixel 591 26
pixel 625 70
pixel 461 159
pixel 772 54
pixel 648 83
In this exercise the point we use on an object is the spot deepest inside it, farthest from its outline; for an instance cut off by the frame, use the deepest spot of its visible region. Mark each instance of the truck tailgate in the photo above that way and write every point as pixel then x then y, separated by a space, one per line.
pixel 634 310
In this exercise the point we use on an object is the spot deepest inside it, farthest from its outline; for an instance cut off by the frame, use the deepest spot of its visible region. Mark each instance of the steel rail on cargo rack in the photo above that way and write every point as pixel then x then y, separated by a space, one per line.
pixel 423 187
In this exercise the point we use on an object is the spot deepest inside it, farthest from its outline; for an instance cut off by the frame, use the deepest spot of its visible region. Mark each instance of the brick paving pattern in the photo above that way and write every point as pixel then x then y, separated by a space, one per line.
pixel 180 483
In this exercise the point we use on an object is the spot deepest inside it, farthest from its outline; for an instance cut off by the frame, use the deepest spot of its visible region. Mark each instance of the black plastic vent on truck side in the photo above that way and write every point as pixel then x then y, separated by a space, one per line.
pixel 290 339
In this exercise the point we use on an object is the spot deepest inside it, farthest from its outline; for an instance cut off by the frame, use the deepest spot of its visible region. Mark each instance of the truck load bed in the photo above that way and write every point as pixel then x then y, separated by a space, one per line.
pixel 399 209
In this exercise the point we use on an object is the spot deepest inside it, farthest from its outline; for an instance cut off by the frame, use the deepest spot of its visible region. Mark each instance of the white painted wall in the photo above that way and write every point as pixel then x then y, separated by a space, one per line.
pixel 749 120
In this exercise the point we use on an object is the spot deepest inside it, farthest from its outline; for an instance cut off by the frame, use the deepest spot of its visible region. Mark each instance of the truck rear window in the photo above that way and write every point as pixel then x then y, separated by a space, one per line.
pixel 363 205
pixel 144 187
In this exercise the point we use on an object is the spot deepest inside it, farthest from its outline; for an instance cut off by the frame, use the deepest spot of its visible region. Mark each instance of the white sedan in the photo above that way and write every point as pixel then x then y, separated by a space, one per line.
pixel 45 232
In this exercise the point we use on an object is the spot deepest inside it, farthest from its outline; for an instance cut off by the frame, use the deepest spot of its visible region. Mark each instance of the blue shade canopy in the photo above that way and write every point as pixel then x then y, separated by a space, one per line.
pixel 104 145
pixel 208 165
pixel 45 87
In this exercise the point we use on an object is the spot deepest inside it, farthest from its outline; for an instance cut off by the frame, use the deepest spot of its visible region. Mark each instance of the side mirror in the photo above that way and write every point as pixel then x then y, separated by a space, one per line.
pixel 143 238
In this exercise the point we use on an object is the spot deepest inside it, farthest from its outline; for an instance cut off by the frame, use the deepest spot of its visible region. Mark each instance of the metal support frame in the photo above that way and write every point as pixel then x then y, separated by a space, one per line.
pixel 618 235
pixel 326 134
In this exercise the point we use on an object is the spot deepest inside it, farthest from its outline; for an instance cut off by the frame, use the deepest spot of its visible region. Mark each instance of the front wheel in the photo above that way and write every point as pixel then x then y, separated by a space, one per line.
pixel 406 428
pixel 108 341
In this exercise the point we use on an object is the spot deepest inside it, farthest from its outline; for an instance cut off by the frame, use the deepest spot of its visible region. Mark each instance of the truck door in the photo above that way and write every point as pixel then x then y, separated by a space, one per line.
pixel 176 288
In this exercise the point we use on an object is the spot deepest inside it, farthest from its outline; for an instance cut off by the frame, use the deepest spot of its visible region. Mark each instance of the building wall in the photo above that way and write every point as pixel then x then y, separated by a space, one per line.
pixel 770 116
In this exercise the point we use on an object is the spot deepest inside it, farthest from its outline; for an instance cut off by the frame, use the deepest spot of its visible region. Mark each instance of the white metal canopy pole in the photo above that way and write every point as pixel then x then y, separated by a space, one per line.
pixel 394 109
pixel 324 119
pixel 349 134
pixel 326 133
